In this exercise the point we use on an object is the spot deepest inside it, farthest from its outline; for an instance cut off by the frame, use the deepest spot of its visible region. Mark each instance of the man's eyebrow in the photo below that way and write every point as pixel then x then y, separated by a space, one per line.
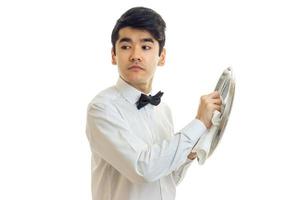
pixel 147 40
pixel 125 39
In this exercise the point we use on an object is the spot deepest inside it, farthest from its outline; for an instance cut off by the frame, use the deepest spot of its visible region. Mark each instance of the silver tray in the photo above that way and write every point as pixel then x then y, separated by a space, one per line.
pixel 226 88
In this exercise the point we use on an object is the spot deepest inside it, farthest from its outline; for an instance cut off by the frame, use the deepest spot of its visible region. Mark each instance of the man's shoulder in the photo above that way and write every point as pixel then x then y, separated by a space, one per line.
pixel 105 97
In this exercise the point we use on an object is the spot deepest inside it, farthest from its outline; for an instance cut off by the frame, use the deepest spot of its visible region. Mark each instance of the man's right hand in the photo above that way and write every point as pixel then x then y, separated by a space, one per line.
pixel 208 104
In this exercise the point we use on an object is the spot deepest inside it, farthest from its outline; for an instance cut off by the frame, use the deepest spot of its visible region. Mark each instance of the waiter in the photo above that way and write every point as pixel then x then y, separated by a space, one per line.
pixel 135 153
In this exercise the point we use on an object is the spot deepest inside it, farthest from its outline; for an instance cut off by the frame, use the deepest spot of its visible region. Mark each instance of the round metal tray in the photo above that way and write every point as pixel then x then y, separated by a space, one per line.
pixel 226 88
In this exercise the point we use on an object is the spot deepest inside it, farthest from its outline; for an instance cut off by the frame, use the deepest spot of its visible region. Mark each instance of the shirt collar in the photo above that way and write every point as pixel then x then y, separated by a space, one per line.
pixel 130 93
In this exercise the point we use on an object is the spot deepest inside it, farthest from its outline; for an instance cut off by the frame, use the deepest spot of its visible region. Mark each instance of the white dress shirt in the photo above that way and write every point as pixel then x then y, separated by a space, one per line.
pixel 135 153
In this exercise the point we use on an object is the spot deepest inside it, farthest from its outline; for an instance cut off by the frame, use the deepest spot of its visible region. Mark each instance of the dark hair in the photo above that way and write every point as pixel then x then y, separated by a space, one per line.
pixel 144 19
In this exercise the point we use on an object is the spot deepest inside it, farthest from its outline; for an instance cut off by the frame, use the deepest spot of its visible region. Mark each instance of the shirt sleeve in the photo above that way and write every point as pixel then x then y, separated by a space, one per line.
pixel 112 139
pixel 179 173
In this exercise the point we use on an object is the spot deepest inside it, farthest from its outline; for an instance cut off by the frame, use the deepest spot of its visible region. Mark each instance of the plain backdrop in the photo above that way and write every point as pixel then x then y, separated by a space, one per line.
pixel 55 57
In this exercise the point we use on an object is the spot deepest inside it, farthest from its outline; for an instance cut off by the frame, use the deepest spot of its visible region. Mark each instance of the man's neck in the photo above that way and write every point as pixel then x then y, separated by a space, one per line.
pixel 144 88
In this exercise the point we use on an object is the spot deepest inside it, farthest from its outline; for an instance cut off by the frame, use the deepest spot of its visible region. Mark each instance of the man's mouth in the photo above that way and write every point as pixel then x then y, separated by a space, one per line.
pixel 136 67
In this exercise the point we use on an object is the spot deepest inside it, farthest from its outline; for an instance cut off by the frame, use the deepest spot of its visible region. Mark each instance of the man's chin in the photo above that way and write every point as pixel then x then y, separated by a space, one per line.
pixel 137 80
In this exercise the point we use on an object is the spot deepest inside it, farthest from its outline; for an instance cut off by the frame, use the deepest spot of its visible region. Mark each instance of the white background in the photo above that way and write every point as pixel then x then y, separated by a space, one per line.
pixel 55 57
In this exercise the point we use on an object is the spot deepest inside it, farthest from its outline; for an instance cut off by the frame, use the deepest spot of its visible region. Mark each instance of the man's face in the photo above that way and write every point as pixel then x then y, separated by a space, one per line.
pixel 137 57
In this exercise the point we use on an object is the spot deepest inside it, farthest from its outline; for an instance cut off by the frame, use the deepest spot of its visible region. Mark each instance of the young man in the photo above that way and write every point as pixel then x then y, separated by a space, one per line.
pixel 135 153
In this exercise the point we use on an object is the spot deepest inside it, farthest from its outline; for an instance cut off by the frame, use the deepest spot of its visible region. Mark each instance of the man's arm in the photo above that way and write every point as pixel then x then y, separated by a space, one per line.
pixel 208 103
pixel 111 138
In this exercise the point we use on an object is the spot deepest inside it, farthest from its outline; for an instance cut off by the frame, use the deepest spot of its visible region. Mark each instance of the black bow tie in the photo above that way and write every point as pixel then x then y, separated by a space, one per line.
pixel 145 99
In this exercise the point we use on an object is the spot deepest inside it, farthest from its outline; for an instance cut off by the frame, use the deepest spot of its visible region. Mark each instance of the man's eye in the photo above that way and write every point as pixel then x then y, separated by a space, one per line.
pixel 146 47
pixel 125 47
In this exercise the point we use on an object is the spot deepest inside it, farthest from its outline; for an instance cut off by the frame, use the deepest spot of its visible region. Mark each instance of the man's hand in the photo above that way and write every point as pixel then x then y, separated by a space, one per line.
pixel 208 104
pixel 192 155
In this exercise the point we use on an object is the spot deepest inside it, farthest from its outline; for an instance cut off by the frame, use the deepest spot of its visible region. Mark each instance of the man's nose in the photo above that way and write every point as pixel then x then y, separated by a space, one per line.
pixel 135 55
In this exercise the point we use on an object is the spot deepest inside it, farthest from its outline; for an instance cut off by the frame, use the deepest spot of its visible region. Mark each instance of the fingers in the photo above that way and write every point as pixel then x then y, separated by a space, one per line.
pixel 208 104
pixel 213 107
pixel 218 108
pixel 214 95
pixel 217 101
pixel 213 98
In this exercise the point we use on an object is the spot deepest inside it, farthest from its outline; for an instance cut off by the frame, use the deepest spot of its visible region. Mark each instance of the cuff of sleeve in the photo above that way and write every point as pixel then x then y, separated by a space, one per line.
pixel 194 130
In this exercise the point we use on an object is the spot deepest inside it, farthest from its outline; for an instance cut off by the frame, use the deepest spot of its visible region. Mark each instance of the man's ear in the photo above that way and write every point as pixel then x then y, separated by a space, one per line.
pixel 113 57
pixel 162 57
